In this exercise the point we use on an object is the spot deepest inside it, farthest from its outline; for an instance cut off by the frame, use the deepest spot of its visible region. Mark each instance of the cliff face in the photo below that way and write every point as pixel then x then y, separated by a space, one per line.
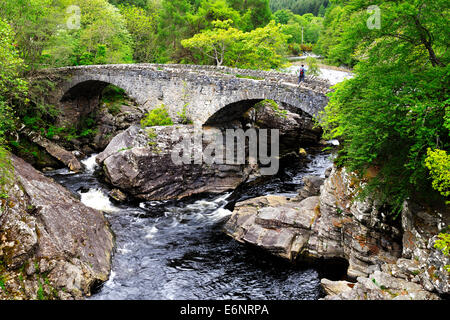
pixel 51 245
pixel 334 224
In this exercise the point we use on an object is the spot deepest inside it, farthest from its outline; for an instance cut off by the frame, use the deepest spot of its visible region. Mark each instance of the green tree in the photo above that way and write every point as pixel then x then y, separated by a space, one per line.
pixel 13 88
pixel 394 108
pixel 102 37
pixel 334 43
pixel 135 3
pixel 321 12
pixel 173 28
pixel 283 16
pixel 33 22
pixel 300 7
pixel 142 25
pixel 438 162
pixel 255 13
pixel 262 48
pixel 215 43
pixel 209 11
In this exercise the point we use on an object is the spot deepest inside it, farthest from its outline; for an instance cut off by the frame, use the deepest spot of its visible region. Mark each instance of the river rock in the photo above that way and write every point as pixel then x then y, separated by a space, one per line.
pixel 334 225
pixel 51 245
pixel 111 123
pixel 389 259
pixel 382 286
pixel 274 223
pixel 311 187
pixel 335 287
pixel 56 151
pixel 139 162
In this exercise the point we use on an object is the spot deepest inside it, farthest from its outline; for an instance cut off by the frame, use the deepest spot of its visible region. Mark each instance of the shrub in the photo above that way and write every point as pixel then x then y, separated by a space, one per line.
pixel 6 172
pixel 306 47
pixel 295 49
pixel 438 162
pixel 443 244
pixel 313 68
pixel 274 106
pixel 157 117
pixel 184 119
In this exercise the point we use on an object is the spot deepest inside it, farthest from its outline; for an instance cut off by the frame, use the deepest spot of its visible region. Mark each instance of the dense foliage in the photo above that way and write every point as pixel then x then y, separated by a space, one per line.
pixel 54 33
pixel 12 89
pixel 263 48
pixel 396 107
pixel 301 7
pixel 438 162
pixel 158 116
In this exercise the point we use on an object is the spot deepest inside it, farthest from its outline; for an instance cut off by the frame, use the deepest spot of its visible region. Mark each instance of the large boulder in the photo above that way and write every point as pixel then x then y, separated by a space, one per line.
pixel 139 162
pixel 356 230
pixel 327 227
pixel 51 245
pixel 274 223
pixel 389 259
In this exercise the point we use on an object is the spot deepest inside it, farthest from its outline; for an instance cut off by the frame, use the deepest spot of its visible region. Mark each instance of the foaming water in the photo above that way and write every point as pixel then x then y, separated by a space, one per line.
pixel 97 199
pixel 178 250
pixel 90 164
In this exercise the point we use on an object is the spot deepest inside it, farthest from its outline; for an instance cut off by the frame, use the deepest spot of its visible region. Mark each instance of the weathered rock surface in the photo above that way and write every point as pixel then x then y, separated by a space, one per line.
pixel 351 229
pixel 59 153
pixel 329 226
pixel 111 123
pixel 51 245
pixel 380 286
pixel 139 162
pixel 336 287
pixel 311 187
pixel 421 226
pixel 337 225
pixel 274 223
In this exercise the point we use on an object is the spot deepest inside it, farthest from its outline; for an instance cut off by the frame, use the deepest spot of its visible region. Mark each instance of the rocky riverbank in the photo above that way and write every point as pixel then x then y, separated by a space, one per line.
pixel 389 259
pixel 51 245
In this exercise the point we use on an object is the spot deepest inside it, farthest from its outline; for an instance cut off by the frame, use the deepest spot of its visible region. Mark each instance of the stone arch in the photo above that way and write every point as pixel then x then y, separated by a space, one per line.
pixel 231 111
pixel 78 99
pixel 308 101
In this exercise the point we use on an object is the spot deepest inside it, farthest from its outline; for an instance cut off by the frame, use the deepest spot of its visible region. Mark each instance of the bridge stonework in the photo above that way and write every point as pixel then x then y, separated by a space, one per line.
pixel 210 94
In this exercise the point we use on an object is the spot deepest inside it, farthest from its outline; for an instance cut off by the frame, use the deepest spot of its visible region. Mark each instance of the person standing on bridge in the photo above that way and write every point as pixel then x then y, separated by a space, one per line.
pixel 301 75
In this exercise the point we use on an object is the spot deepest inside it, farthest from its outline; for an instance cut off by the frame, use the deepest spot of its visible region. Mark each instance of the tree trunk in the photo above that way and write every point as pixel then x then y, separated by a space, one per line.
pixel 426 39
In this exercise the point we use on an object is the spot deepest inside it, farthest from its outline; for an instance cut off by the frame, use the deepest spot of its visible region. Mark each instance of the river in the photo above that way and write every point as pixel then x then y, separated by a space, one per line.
pixel 177 249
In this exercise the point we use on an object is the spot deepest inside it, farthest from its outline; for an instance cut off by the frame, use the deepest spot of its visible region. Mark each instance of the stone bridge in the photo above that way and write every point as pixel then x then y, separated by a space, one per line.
pixel 209 94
